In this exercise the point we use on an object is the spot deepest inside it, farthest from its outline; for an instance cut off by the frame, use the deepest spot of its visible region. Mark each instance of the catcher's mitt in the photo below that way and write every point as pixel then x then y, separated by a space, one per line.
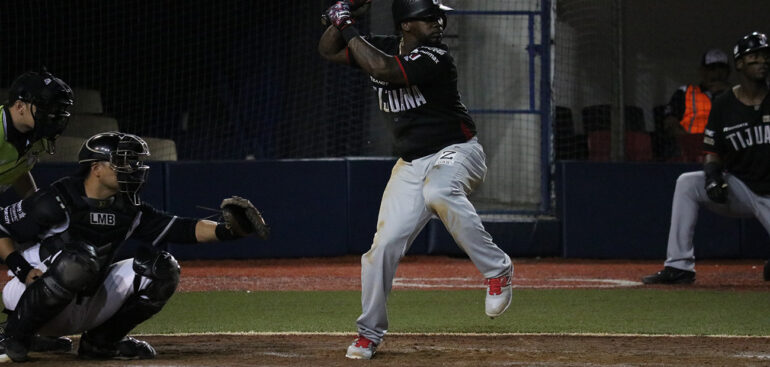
pixel 242 218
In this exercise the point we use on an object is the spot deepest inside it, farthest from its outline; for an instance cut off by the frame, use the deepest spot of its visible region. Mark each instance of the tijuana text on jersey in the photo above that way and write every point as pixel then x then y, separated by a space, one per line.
pixel 740 135
pixel 426 114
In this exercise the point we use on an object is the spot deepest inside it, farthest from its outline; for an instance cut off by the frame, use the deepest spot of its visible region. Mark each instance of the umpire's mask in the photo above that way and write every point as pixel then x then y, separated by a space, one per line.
pixel 51 97
pixel 126 154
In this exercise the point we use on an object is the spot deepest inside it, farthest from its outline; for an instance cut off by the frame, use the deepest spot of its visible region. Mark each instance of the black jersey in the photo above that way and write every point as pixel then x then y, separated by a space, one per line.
pixel 740 135
pixel 61 213
pixel 426 113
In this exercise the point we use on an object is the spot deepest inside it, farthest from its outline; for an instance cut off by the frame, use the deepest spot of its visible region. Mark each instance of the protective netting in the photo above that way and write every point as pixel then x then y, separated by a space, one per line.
pixel 636 54
pixel 223 80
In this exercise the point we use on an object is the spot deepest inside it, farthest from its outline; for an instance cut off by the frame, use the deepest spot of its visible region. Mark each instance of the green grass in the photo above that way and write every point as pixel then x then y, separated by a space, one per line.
pixel 644 311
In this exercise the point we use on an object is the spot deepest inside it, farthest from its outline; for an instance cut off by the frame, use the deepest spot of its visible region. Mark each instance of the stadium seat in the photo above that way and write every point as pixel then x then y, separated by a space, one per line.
pixel 599 145
pixel 634 117
pixel 638 146
pixel 596 118
pixel 85 126
pixel 567 145
pixel 691 146
pixel 599 117
pixel 67 149
pixel 161 149
pixel 664 146
pixel 87 101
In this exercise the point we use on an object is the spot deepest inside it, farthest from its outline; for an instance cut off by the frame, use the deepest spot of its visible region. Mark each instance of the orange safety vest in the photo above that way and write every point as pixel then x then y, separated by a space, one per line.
pixel 696 112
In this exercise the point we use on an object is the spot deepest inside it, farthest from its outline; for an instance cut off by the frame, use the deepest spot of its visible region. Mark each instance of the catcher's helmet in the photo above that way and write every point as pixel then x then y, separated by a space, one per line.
pixel 51 97
pixel 126 154
pixel 404 10
pixel 750 43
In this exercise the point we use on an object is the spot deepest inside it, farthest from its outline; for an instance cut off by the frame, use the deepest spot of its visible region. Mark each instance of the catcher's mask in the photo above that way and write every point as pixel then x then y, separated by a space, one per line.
pixel 51 97
pixel 750 43
pixel 126 154
pixel 405 10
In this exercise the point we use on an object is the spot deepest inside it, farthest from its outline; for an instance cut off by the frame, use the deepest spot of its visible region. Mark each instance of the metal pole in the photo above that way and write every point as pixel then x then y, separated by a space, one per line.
pixel 546 115
pixel 618 141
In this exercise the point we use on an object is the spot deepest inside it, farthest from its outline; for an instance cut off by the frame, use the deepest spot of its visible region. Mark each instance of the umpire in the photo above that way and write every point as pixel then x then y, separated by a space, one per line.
pixel 68 283
pixel 441 161
pixel 36 113
pixel 735 180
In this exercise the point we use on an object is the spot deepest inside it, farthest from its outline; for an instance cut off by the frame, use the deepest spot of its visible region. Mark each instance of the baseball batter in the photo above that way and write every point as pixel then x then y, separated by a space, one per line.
pixel 67 282
pixel 735 180
pixel 441 161
pixel 36 113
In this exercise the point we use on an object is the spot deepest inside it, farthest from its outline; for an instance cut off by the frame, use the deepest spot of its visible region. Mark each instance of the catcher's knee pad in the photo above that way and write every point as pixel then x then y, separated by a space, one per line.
pixel 163 271
pixel 74 270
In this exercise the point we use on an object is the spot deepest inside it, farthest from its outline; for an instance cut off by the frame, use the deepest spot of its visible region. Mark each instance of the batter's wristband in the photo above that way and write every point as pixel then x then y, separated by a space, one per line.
pixel 18 265
pixel 349 33
pixel 713 170
pixel 225 234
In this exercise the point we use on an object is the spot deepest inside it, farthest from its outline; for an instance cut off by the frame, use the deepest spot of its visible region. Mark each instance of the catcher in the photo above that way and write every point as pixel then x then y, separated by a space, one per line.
pixel 68 281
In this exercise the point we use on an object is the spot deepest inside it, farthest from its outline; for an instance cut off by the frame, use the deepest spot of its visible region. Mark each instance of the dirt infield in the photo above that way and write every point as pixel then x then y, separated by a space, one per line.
pixel 430 272
pixel 422 272
pixel 403 350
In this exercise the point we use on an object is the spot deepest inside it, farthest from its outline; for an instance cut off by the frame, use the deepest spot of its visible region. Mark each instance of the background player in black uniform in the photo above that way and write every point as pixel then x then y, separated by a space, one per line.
pixel 735 180
pixel 67 282
pixel 441 161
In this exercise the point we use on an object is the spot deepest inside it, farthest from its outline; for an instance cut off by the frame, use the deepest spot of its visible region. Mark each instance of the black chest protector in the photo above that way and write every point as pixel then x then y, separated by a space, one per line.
pixel 104 224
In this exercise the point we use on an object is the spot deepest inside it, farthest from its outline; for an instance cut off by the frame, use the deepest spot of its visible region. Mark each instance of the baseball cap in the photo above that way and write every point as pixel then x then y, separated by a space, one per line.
pixel 714 56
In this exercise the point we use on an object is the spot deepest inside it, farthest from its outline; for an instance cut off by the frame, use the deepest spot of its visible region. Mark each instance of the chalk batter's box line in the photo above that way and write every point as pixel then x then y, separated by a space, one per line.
pixel 353 334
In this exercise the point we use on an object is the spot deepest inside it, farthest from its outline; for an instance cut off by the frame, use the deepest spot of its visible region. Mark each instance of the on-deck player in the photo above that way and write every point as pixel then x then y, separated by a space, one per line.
pixel 735 180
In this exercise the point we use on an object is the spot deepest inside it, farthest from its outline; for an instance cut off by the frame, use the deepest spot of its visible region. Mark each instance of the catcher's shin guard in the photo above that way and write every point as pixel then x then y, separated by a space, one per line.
pixel 163 270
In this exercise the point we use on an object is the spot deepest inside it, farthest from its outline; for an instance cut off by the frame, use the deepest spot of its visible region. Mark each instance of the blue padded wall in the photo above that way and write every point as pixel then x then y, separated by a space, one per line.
pixel 754 240
pixel 305 203
pixel 153 192
pixel 520 239
pixel 623 211
pixel 367 178
pixel 329 208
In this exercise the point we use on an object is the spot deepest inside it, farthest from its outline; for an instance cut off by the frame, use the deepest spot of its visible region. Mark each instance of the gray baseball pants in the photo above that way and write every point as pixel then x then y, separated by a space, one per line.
pixel 689 195
pixel 436 184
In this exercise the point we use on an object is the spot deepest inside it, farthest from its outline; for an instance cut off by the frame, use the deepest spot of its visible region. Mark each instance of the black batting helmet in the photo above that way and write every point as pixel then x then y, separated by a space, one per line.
pixel 51 97
pixel 750 43
pixel 404 10
pixel 126 154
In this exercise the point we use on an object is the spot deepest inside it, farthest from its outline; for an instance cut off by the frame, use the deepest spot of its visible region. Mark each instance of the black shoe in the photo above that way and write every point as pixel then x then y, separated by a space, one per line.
pixel 50 344
pixel 15 349
pixel 40 343
pixel 670 275
pixel 766 273
pixel 127 348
